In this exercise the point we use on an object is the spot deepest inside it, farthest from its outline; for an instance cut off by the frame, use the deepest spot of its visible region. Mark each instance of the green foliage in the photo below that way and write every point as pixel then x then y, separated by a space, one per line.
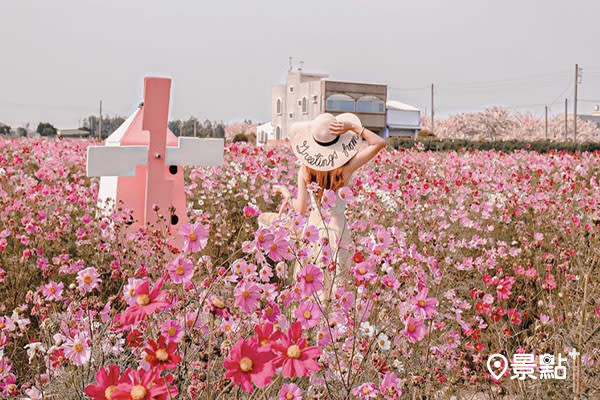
pixel 240 137
pixel 540 146
pixel 46 129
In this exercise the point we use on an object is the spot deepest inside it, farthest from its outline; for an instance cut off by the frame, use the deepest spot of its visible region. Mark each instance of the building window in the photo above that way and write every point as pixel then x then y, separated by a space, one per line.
pixel 340 102
pixel 277 133
pixel 291 89
pixel 304 106
pixel 370 104
pixel 291 115
pixel 278 107
pixel 315 98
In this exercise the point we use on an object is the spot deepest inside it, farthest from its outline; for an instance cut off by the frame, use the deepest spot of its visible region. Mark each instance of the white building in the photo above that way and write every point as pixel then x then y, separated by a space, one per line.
pixel 401 120
pixel 264 133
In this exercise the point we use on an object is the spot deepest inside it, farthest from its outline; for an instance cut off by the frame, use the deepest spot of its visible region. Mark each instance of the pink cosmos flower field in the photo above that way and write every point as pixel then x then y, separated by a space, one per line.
pixel 455 256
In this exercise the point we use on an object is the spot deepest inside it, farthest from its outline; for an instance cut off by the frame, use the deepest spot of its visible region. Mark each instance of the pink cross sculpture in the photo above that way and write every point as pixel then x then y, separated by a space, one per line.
pixel 140 163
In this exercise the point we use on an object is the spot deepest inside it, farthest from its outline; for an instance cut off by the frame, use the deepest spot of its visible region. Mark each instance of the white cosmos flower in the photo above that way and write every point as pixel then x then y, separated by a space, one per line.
pixel 367 329
pixel 383 341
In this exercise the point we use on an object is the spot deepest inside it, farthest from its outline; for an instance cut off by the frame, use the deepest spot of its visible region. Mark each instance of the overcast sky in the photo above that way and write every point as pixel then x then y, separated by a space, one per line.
pixel 60 57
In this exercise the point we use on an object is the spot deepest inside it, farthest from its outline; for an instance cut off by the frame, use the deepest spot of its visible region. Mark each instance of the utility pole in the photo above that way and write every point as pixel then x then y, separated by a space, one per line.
pixel 432 111
pixel 195 127
pixel 575 103
pixel 546 121
pixel 566 122
pixel 100 122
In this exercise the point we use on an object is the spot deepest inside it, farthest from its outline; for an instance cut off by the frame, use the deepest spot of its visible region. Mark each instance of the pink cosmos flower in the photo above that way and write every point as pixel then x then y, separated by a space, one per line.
pixel 414 329
pixel 308 314
pixel 130 288
pixel 195 237
pixel 247 296
pixel 147 302
pixel 290 391
pixel 106 383
pixel 53 291
pixel 266 273
pixel 180 270
pixel 294 354
pixel 504 287
pixel 77 349
pixel 344 298
pixel 424 307
pixel 544 319
pixel 310 280
pixel 263 238
pixel 390 281
pixel 390 387
pixel 279 248
pixel 328 199
pixel 248 364
pixel 172 331
pixel 366 391
pixel 311 234
pixel 346 194
pixel 364 271
pixel 88 279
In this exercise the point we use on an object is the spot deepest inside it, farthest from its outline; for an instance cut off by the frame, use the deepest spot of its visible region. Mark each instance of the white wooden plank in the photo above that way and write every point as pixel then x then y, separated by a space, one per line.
pixel 196 151
pixel 115 160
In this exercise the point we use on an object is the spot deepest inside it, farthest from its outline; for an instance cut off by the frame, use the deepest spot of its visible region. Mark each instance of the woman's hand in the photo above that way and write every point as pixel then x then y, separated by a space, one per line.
pixel 282 190
pixel 338 128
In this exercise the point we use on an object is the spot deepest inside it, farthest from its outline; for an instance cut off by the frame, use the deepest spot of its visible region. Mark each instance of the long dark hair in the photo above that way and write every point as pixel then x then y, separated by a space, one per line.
pixel 332 180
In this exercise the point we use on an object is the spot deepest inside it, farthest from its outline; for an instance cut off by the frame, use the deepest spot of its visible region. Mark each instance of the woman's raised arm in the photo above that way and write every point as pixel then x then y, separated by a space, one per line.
pixel 300 203
pixel 374 141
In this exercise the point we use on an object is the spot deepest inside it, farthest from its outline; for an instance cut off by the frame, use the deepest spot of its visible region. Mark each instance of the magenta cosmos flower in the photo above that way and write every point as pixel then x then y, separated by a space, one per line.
pixel 414 329
pixel 106 383
pixel 146 302
pixel 143 384
pixel 248 364
pixel 180 270
pixel 294 354
pixel 195 237
pixel 172 331
pixel 247 296
pixel 310 280
pixel 88 279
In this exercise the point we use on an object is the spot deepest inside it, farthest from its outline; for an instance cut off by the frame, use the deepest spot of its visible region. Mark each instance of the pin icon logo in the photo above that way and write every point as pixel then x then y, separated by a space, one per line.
pixel 497 362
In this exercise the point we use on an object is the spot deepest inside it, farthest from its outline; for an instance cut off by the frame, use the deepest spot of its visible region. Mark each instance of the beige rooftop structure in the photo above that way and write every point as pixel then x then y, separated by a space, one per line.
pixel 306 95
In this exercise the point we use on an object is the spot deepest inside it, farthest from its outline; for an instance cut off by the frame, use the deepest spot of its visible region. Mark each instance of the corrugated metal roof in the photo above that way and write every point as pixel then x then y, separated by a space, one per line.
pixel 396 105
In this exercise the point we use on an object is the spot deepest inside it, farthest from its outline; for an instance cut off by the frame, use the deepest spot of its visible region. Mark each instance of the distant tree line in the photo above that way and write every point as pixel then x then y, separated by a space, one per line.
pixel 207 128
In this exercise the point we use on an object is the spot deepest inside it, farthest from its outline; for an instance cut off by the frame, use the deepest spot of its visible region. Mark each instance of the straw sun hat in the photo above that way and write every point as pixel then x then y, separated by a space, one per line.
pixel 318 148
